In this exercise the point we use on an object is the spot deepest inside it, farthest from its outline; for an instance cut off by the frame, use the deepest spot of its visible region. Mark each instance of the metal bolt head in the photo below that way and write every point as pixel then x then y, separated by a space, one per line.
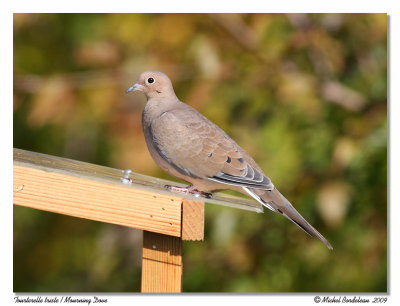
pixel 127 173
pixel 126 177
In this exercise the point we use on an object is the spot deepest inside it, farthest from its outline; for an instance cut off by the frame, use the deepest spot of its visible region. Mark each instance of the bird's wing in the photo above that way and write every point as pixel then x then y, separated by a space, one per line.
pixel 196 147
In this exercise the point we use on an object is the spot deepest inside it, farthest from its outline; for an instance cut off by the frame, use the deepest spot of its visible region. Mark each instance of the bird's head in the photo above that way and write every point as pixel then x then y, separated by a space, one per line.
pixel 153 84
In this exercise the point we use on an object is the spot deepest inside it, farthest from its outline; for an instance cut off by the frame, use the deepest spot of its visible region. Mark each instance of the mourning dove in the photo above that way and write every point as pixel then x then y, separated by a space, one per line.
pixel 190 147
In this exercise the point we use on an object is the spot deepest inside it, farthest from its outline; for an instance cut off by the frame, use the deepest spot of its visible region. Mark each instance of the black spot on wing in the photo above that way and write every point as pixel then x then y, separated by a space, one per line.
pixel 228 160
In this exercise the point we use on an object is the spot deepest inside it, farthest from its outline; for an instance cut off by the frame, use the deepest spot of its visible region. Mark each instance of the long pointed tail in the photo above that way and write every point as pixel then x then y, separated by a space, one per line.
pixel 275 201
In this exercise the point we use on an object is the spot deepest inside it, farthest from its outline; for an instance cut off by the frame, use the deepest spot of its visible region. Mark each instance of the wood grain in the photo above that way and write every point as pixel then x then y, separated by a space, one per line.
pixel 192 220
pixel 94 200
pixel 161 263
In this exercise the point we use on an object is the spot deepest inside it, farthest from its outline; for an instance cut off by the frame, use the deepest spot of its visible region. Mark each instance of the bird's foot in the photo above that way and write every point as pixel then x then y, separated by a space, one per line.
pixel 189 190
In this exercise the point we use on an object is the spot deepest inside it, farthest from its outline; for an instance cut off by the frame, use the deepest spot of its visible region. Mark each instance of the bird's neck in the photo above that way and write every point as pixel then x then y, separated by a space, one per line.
pixel 156 106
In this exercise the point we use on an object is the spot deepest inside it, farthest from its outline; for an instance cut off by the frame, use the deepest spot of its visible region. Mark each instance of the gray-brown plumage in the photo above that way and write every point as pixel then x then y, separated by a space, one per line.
pixel 190 147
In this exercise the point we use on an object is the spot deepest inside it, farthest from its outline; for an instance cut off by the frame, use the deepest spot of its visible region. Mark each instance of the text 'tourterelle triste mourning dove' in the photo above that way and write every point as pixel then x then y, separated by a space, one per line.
pixel 190 147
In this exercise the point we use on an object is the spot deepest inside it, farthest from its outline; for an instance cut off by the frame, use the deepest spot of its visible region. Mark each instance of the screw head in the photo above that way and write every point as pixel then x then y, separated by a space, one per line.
pixel 126 179
pixel 127 173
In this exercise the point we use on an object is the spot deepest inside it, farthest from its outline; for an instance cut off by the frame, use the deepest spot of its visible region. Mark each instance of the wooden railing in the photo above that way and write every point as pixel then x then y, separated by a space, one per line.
pixel 100 193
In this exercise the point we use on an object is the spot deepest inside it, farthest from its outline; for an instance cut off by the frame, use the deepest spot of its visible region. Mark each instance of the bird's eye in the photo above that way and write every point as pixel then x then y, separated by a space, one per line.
pixel 150 81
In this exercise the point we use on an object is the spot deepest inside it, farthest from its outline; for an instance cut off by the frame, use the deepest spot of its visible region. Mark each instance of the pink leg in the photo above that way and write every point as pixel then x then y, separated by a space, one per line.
pixel 189 190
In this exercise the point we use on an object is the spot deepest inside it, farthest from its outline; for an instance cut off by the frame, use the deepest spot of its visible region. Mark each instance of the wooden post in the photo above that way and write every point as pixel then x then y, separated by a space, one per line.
pixel 192 220
pixel 162 263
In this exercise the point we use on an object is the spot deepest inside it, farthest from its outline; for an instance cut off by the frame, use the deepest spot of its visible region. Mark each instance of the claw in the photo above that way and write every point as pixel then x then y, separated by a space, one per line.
pixel 189 190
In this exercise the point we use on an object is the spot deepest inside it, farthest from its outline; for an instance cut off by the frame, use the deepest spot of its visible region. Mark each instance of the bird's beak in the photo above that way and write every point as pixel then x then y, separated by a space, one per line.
pixel 134 87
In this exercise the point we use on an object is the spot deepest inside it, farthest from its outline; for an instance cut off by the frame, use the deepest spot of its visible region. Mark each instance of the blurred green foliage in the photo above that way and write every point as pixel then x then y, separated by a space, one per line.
pixel 304 94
